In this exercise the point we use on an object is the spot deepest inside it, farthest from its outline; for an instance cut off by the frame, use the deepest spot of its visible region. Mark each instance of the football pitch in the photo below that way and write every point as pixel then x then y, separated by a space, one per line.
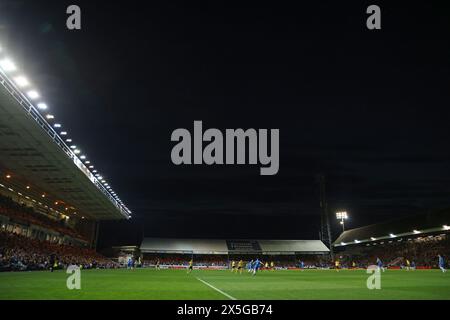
pixel 215 285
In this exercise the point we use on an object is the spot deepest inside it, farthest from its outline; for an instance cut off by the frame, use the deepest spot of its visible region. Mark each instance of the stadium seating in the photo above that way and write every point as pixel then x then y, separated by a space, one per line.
pixel 27 216
pixel 21 250
pixel 20 253
pixel 422 250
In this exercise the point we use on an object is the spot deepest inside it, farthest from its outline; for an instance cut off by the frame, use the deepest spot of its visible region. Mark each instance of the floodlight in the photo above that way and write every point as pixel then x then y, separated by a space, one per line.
pixel 7 65
pixel 21 81
pixel 42 106
pixel 341 215
pixel 33 94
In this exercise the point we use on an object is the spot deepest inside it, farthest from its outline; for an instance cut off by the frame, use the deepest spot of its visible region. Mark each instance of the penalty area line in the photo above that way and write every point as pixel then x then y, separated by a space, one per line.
pixel 217 289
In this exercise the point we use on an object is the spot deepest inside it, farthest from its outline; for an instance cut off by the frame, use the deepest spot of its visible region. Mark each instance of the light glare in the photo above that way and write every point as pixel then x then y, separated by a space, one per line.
pixel 7 65
pixel 33 94
pixel 21 81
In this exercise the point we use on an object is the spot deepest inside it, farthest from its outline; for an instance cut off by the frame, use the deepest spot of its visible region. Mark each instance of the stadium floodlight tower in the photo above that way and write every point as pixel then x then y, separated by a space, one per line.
pixel 342 215
pixel 325 229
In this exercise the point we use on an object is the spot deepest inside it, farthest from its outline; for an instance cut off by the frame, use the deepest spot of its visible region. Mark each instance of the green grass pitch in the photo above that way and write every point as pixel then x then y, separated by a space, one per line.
pixel 176 284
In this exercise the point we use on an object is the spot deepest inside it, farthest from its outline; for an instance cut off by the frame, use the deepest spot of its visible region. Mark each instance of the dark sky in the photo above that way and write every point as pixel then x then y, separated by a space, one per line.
pixel 369 109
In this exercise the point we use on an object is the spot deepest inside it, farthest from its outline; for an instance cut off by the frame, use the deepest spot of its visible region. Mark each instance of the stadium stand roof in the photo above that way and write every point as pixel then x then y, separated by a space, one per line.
pixel 204 246
pixel 33 153
pixel 438 221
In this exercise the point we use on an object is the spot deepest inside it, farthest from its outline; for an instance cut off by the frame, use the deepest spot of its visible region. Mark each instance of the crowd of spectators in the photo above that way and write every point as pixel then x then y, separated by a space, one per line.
pixel 20 253
pixel 26 215
pixel 222 260
pixel 422 251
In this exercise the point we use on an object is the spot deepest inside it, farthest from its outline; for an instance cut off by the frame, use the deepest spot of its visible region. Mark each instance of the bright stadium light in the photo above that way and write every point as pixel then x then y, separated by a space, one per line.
pixel 57 125
pixel 7 65
pixel 446 227
pixel 68 140
pixel 50 116
pixel 42 106
pixel 87 162
pixel 416 231
pixel 342 215
pixel 82 157
pixel 73 147
pixel 357 241
pixel 63 133
pixel 21 81
pixel 373 239
pixel 33 94
pixel 76 151
pixel 392 235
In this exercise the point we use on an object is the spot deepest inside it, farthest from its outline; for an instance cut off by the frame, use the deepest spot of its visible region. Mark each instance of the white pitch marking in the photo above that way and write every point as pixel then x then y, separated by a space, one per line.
pixel 218 290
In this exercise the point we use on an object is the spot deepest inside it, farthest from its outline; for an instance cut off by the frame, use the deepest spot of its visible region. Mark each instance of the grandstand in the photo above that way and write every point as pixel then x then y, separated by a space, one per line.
pixel 204 246
pixel 419 238
pixel 218 253
pixel 419 225
pixel 50 192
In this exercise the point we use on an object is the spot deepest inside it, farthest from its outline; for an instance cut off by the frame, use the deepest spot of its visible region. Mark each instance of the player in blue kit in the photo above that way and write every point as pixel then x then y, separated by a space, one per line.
pixel 302 265
pixel 256 266
pixel 130 263
pixel 380 264
pixel 250 266
pixel 441 263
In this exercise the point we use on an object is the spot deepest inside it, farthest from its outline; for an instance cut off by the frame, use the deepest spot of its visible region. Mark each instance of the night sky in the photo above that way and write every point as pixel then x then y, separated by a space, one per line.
pixel 367 108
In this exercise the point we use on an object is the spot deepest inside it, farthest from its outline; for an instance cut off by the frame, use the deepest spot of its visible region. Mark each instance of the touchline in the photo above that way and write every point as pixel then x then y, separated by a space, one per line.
pixel 235 139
